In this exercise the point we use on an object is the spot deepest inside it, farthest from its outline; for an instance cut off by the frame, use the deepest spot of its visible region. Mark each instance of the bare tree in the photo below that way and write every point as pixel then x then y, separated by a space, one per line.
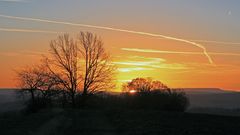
pixel 98 73
pixel 61 69
pixel 64 64
pixel 144 85
pixel 32 79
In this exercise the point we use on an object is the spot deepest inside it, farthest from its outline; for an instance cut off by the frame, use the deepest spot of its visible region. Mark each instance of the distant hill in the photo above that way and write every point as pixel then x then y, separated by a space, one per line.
pixel 9 89
pixel 213 98
pixel 213 101
pixel 206 91
pixel 10 100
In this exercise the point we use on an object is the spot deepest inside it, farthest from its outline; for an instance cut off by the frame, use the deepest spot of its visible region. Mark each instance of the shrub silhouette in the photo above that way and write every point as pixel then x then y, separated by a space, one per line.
pixel 148 94
pixel 177 101
pixel 157 100
pixel 144 85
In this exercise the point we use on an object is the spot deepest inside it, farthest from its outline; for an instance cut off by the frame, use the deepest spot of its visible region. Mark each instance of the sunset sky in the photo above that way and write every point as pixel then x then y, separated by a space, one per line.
pixel 187 43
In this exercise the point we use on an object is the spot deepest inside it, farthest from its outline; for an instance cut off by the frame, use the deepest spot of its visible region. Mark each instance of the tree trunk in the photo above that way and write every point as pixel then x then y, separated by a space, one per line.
pixel 84 92
pixel 73 100
pixel 33 96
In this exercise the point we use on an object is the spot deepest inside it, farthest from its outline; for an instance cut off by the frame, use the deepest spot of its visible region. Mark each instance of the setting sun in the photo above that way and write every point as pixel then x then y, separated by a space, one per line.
pixel 132 91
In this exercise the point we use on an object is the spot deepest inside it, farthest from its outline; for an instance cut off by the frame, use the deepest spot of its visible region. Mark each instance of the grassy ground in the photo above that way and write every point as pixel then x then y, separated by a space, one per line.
pixel 111 122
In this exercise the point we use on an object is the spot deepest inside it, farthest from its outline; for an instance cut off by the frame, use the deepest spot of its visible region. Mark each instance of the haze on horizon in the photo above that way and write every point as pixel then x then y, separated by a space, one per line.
pixel 129 30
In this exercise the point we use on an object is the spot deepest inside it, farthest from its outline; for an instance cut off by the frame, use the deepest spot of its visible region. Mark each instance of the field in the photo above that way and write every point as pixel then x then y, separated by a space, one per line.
pixel 87 122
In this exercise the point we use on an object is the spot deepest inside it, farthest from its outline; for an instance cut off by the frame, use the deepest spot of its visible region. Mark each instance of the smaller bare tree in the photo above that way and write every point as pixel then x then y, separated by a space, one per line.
pixel 31 79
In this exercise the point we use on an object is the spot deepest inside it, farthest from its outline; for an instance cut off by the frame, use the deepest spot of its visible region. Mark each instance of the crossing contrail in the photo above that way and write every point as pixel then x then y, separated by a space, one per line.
pixel 204 50
pixel 212 41
pixel 217 42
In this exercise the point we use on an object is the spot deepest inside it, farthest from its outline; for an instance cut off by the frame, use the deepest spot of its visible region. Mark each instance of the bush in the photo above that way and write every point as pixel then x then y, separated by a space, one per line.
pixel 155 100
pixel 178 101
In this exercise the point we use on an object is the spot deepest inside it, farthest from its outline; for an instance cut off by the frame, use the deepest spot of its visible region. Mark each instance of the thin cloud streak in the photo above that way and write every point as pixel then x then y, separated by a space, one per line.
pixel 114 29
pixel 28 31
pixel 27 53
pixel 148 63
pixel 134 69
pixel 176 52
pixel 13 1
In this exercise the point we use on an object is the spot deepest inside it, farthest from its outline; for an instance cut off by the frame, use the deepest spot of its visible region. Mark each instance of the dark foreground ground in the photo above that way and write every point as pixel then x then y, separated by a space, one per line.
pixel 113 122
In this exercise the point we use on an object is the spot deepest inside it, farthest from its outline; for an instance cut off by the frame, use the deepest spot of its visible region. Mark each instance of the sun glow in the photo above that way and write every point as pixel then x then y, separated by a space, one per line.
pixel 132 91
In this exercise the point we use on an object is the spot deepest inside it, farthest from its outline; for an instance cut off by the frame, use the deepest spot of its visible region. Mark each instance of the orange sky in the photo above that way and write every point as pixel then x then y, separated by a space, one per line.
pixel 176 70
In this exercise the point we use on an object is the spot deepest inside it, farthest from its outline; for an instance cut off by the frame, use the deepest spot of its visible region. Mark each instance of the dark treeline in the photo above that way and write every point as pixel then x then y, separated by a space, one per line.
pixel 78 73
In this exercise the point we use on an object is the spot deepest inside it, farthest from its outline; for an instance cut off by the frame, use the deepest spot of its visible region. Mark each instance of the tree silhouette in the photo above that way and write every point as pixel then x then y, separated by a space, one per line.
pixel 36 79
pixel 144 85
pixel 74 67
pixel 151 94
pixel 81 64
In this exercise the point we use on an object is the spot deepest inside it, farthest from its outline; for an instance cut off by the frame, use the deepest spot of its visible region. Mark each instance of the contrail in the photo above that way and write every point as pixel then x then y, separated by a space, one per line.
pixel 217 42
pixel 227 54
pixel 28 31
pixel 114 29
pixel 176 52
pixel 211 41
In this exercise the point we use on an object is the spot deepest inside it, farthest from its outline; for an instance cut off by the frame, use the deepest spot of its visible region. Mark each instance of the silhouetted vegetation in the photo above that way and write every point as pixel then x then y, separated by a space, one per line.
pixel 144 85
pixel 158 100
pixel 146 93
